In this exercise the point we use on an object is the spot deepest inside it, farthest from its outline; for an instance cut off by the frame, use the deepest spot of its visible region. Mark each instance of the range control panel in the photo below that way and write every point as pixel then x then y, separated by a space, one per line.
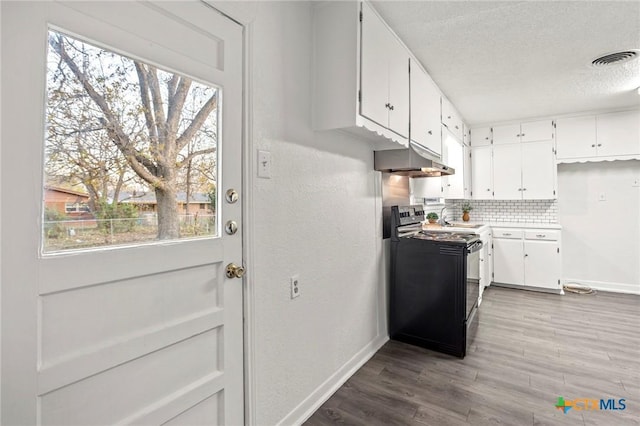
pixel 410 214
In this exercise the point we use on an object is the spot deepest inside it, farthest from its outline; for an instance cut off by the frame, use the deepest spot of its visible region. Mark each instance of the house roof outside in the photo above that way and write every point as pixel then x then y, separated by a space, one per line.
pixel 150 197
pixel 66 191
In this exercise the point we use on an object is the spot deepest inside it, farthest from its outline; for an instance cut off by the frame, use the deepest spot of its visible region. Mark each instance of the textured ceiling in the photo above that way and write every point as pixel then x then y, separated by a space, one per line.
pixel 508 60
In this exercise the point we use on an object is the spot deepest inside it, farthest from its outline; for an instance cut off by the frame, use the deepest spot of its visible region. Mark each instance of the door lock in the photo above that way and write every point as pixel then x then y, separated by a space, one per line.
pixel 234 271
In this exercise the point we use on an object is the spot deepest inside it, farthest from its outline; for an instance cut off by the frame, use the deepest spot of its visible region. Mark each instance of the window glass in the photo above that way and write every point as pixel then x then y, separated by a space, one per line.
pixel 138 145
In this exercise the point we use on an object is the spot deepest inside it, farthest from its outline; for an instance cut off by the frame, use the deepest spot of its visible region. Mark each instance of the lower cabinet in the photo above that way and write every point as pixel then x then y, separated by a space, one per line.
pixel 527 257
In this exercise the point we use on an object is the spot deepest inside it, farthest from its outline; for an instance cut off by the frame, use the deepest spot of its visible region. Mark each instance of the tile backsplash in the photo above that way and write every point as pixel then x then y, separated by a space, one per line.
pixel 519 211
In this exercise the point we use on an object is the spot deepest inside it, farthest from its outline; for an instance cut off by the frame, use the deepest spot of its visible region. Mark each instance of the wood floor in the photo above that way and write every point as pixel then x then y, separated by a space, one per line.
pixel 530 349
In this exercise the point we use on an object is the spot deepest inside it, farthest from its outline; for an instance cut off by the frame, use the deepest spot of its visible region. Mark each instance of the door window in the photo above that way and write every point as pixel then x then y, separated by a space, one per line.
pixel 140 143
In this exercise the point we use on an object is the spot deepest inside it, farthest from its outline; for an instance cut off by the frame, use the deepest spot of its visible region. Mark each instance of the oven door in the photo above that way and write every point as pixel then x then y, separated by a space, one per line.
pixel 473 278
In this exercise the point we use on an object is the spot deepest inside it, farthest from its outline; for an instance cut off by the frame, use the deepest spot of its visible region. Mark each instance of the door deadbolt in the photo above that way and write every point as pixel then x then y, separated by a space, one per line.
pixel 231 227
pixel 231 196
pixel 234 271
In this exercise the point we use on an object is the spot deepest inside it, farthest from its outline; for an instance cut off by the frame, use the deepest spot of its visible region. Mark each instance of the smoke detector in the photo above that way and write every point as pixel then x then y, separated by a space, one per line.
pixel 615 58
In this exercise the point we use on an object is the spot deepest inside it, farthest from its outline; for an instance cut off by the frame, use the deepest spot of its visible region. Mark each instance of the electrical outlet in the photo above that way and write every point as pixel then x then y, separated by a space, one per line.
pixel 295 286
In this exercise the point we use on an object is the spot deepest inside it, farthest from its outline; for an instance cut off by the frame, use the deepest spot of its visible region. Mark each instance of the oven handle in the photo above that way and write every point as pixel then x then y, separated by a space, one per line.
pixel 475 247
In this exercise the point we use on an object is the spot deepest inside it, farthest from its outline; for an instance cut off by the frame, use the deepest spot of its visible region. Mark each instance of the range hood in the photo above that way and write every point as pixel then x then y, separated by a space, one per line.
pixel 414 162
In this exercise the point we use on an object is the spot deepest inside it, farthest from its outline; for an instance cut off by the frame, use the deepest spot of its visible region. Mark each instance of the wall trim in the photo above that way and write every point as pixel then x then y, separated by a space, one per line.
pixel 322 393
pixel 606 286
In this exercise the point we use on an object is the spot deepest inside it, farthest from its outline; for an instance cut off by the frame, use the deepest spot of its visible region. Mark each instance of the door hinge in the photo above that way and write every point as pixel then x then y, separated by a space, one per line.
pixel 359 95
pixel 554 123
pixel 493 275
pixel 360 16
pixel 554 192
pixel 558 249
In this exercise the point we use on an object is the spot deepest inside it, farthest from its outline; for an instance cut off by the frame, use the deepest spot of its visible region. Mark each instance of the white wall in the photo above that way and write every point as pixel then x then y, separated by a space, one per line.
pixel 318 216
pixel 601 239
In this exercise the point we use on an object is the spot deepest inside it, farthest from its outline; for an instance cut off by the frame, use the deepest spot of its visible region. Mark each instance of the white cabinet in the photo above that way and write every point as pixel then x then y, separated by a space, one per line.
pixel 527 257
pixel 576 137
pixel 452 186
pixel 481 173
pixel 618 133
pixel 524 132
pixel 361 75
pixel 384 75
pixel 425 111
pixel 486 263
pixel 524 171
pixel 467 171
pixel 481 136
pixel 452 119
pixel 594 137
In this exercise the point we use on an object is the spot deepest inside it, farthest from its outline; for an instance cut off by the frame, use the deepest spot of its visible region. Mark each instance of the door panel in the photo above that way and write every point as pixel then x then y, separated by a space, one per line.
pixel 618 133
pixel 536 131
pixel 576 137
pixel 506 134
pixel 138 334
pixel 507 172
pixel 538 171
pixel 481 169
pixel 374 81
pixel 542 265
pixel 508 261
pixel 398 88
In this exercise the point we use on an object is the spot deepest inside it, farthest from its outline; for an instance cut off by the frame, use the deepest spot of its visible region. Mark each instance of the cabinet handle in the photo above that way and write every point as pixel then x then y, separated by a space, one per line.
pixel 519 189
pixel 524 189
pixel 391 107
pixel 488 189
pixel 448 184
pixel 487 138
pixel 506 234
pixel 449 117
pixel 593 146
pixel 522 135
pixel 430 132
pixel 526 255
pixel 518 135
pixel 540 235
pixel 457 127
pixel 599 144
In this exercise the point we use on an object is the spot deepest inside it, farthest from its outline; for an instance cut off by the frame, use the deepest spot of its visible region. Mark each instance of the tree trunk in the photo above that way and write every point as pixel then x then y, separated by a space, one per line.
pixel 168 220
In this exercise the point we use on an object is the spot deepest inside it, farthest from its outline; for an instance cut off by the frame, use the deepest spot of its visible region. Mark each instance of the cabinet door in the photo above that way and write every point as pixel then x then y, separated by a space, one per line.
pixel 506 134
pixel 538 171
pixel 453 185
pixel 374 80
pixel 508 261
pixel 576 137
pixel 451 118
pixel 466 151
pixel 542 264
pixel 480 136
pixel 507 172
pixel 536 131
pixel 425 111
pixel 398 88
pixel 618 133
pixel 481 173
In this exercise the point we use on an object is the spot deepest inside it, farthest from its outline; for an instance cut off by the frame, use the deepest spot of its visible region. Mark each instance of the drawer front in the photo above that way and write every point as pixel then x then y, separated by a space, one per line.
pixel 542 234
pixel 508 233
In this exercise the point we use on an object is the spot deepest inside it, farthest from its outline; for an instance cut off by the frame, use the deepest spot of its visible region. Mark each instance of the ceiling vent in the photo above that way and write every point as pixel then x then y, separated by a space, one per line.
pixel 615 58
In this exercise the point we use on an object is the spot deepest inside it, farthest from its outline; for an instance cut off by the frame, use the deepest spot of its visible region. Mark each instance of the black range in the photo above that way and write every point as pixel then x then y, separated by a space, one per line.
pixel 434 284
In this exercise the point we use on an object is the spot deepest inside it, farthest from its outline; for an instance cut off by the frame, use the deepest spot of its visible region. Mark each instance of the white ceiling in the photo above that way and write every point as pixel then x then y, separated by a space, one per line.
pixel 512 60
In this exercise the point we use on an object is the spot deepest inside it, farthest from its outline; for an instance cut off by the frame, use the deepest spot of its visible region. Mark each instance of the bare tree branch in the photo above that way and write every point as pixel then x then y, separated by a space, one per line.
pixel 194 154
pixel 197 122
pixel 176 103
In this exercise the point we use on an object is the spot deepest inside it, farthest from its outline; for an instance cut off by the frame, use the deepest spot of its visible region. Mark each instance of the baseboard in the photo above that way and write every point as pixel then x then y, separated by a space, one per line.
pixel 606 286
pixel 323 392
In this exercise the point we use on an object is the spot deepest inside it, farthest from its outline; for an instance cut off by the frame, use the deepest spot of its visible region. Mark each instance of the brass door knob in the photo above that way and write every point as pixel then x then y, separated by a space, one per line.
pixel 234 271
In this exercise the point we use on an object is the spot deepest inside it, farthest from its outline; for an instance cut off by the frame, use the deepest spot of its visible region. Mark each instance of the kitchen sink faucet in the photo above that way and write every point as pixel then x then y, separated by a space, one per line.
pixel 442 220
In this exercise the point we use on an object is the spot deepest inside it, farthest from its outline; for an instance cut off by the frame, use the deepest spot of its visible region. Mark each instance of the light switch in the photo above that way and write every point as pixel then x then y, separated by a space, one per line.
pixel 264 164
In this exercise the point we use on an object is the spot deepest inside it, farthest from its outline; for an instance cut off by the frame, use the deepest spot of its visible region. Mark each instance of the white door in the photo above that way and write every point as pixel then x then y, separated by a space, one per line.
pixel 144 334
pixel 374 80
pixel 509 133
pixel 425 111
pixel 507 172
pixel 398 88
pixel 542 264
pixel 481 169
pixel 536 131
pixel 538 171
pixel 618 133
pixel 508 261
pixel 576 137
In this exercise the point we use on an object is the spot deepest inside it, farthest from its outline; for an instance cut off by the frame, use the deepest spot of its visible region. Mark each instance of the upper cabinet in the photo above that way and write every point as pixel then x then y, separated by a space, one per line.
pixel 384 75
pixel 425 111
pixel 452 119
pixel 525 132
pixel 597 137
pixel 480 136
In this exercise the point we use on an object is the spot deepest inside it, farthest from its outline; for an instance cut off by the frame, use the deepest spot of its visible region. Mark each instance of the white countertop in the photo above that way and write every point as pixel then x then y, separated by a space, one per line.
pixel 525 225
pixel 483 226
